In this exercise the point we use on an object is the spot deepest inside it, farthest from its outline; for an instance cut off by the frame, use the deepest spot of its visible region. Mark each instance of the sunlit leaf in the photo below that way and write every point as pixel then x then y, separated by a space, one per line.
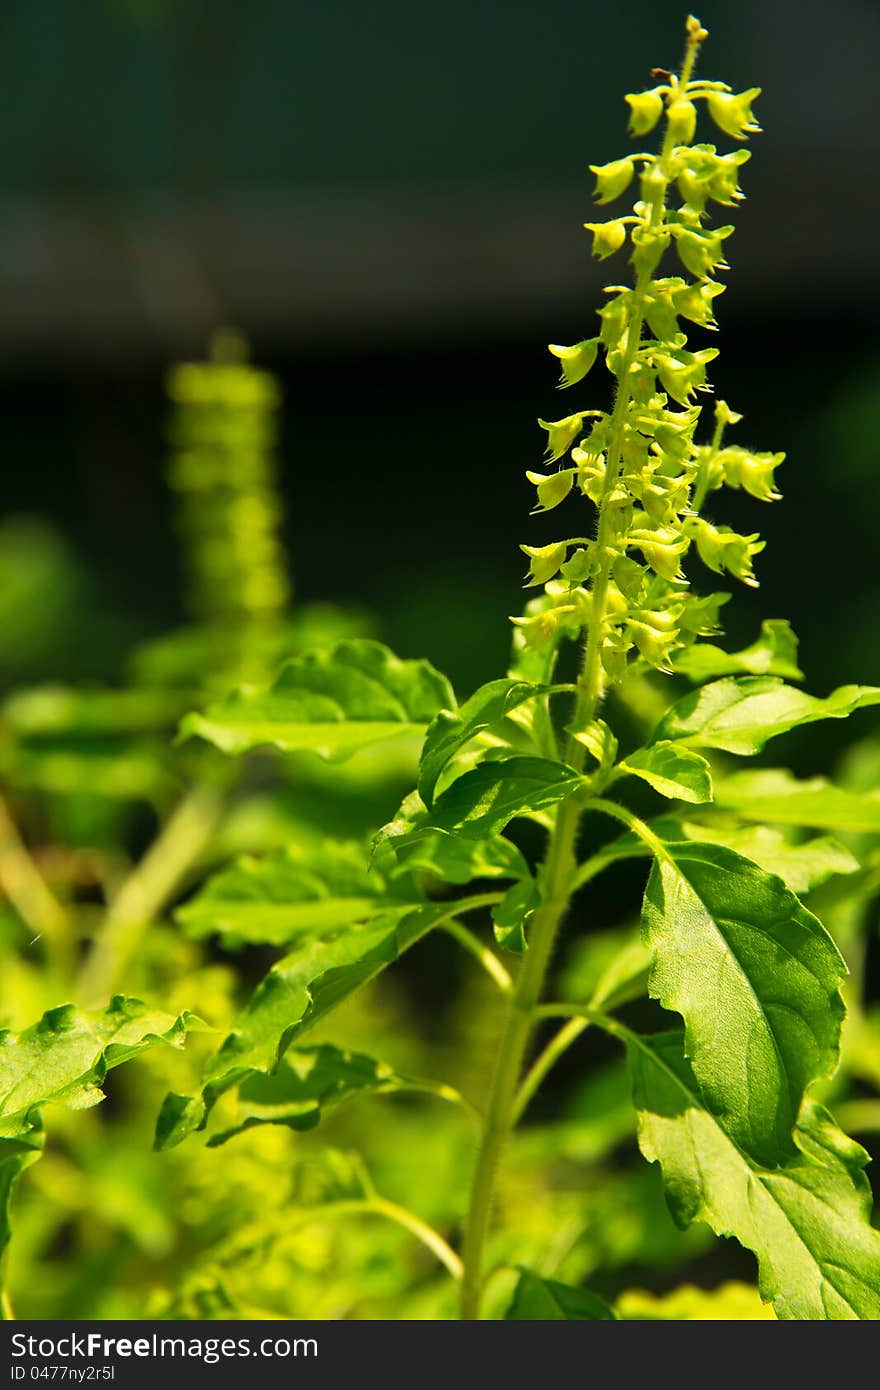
pixel 63 1060
pixel 450 732
pixel 308 1082
pixel 676 772
pixel 330 702
pixel 275 899
pixel 773 794
pixel 325 968
pixel 807 1220
pixel 484 800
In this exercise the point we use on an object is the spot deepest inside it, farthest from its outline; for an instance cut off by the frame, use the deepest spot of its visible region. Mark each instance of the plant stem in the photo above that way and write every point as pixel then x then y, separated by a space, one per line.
pixel 511 1051
pixel 31 896
pixel 147 890
pixel 559 865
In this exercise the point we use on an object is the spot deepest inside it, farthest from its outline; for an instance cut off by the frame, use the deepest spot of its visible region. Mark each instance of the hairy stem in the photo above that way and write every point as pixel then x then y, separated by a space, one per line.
pixel 559 867
pixel 147 890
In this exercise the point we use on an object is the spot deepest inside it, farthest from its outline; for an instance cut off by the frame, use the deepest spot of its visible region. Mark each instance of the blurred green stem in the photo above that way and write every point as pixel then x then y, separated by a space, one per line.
pixel 147 890
pixel 32 897
pixel 487 958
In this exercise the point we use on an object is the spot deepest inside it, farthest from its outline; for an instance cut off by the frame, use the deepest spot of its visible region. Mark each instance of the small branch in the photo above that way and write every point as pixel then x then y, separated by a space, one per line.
pixel 486 957
pixel 632 822
pixel 146 891
pixel 31 896
pixel 422 1231
pixel 439 1089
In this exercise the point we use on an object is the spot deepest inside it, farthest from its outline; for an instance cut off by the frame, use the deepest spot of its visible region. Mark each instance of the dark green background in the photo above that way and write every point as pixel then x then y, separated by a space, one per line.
pixel 388 199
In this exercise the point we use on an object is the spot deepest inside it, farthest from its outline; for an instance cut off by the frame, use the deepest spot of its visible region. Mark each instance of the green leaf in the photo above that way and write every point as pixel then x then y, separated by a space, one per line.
pixel 324 969
pixel 63 1060
pixel 773 654
pixel 740 715
pixel 448 733
pixel 482 801
pixel 773 794
pixel 676 772
pixel 307 1082
pixel 756 978
pixel 546 1300
pixel 331 702
pixel 511 915
pixel 275 899
pixel 808 1221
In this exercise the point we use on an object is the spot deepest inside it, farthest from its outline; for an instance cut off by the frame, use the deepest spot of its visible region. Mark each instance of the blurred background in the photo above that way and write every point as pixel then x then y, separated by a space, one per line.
pixel 388 200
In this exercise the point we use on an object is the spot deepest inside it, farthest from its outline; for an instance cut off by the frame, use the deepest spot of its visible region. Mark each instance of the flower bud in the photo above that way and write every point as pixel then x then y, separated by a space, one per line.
pixel 539 628
pixel 580 567
pixel 694 302
pixel 663 550
pixel 552 489
pixel 575 361
pixel 699 617
pixel 646 108
pixel 612 179
pixel 614 658
pixel 701 252
pixel 724 415
pixel 544 561
pixel 684 373
pixel 722 549
pixel 732 113
pixel 751 472
pixel 660 312
pixel 629 576
pixel 590 472
pixel 649 244
pixel 608 237
pixel 723 182
pixel 654 645
pixel 560 434
pixel 615 319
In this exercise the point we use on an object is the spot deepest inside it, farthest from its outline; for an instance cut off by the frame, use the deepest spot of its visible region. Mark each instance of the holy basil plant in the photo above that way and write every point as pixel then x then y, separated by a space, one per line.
pixel 746 980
